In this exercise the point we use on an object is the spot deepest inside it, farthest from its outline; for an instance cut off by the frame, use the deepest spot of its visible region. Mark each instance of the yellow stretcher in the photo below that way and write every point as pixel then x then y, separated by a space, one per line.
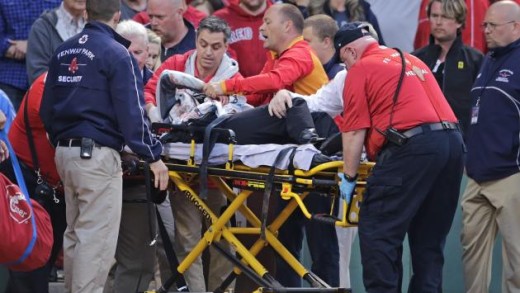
pixel 292 186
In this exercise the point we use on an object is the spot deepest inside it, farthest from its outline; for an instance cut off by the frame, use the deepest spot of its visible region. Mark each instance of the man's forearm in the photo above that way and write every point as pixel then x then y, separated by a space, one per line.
pixel 352 147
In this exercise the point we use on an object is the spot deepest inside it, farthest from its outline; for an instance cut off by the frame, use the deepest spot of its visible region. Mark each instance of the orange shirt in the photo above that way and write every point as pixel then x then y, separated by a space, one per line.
pixel 368 96
pixel 296 69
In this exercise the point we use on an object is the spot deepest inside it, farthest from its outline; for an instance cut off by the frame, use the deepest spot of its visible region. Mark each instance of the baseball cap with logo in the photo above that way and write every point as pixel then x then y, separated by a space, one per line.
pixel 350 32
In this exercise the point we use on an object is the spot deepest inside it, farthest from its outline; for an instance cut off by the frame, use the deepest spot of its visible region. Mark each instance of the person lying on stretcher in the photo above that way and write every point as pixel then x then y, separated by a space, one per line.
pixel 179 101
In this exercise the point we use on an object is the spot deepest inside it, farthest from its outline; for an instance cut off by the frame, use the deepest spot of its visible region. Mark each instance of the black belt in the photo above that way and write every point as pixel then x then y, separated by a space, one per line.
pixel 430 127
pixel 73 142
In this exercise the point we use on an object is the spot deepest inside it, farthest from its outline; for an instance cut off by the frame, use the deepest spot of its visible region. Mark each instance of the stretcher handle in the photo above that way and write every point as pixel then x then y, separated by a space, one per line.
pixel 325 219
pixel 324 182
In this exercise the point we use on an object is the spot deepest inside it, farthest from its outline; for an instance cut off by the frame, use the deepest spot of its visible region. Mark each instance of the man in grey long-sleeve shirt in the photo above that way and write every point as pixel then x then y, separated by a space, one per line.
pixel 49 31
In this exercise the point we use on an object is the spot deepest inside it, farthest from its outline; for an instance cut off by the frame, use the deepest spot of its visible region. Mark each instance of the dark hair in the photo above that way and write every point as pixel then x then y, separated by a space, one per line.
pixel 455 9
pixel 102 10
pixel 322 26
pixel 215 25
pixel 292 13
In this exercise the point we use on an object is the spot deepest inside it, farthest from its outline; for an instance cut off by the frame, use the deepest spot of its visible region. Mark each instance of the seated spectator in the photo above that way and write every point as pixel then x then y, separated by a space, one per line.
pixel 345 11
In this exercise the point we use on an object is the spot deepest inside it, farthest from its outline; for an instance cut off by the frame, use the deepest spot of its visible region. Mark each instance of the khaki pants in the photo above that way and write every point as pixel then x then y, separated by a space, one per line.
pixel 488 208
pixel 188 226
pixel 93 195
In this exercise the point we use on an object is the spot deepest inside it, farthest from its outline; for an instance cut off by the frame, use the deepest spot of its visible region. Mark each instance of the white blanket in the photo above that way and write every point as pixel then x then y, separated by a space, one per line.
pixel 250 155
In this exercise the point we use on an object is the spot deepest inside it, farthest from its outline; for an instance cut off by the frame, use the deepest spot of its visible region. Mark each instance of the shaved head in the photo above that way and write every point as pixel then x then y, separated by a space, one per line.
pixel 507 9
pixel 502 24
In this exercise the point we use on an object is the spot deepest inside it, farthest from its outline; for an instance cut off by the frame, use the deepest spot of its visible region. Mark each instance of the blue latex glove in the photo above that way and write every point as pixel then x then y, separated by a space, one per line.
pixel 346 188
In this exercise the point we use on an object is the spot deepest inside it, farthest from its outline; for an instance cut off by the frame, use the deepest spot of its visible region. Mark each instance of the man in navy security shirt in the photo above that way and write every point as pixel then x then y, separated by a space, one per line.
pixel 491 201
pixel 92 106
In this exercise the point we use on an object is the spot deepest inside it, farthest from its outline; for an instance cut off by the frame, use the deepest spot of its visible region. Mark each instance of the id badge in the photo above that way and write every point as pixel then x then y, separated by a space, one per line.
pixel 474 114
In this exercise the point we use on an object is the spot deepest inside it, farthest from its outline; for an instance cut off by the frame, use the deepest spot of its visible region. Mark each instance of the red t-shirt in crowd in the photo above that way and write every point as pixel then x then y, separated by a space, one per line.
pixel 18 134
pixel 246 42
pixel 368 96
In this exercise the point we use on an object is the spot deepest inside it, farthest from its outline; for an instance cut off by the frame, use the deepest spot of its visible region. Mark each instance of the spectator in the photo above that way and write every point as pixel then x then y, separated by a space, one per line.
pixel 16 18
pixel 129 8
pixel 291 63
pixel 491 201
pixel 208 62
pixel 454 65
pixel 37 280
pixel 318 31
pixel 90 109
pixel 192 15
pixel 303 5
pixel 154 51
pixel 49 31
pixel 167 21
pixel 472 34
pixel 345 11
pixel 414 138
pixel 245 18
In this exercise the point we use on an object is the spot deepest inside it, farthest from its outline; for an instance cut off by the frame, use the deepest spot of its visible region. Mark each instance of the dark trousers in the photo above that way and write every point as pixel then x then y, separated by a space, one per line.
pixel 321 239
pixel 256 126
pixel 413 190
pixel 37 281
pixel 15 94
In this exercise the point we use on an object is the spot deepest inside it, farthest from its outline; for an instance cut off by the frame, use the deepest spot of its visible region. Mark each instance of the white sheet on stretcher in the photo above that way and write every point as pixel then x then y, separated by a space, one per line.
pixel 250 155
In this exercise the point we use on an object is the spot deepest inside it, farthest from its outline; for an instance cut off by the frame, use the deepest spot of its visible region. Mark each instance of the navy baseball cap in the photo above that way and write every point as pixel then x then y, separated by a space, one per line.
pixel 350 32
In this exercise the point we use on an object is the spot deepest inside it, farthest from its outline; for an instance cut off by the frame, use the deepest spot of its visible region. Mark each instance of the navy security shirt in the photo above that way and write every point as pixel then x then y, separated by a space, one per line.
pixel 94 89
pixel 494 135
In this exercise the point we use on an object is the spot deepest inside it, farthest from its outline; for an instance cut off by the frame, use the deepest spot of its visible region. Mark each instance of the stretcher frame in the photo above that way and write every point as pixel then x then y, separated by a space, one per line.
pixel 291 185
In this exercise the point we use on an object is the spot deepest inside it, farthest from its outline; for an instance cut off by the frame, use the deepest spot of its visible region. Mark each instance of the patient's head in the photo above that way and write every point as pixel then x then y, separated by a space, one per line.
pixel 212 43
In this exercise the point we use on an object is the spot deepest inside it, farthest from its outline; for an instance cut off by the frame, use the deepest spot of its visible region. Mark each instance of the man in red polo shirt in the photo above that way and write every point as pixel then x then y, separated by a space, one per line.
pixel 419 157
pixel 291 64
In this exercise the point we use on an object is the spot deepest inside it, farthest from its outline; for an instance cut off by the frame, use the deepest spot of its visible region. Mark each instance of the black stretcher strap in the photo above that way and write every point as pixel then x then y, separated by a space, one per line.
pixel 269 186
pixel 207 146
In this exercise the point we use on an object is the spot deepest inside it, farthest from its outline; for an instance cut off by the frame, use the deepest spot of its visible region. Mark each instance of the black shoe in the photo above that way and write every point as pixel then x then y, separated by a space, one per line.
pixel 319 159
pixel 332 145
pixel 53 275
pixel 309 135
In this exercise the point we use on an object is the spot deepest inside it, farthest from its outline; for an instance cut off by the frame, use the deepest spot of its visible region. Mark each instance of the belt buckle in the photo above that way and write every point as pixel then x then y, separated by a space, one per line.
pixel 446 125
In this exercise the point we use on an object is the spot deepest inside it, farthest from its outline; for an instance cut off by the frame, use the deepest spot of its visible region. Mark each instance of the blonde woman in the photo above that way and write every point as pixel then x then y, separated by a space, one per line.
pixel 154 51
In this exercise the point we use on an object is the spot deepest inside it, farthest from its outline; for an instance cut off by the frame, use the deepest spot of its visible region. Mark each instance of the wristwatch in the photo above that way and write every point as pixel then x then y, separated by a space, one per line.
pixel 350 178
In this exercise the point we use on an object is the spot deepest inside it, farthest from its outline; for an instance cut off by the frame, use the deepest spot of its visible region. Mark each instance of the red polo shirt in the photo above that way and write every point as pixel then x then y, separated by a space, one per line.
pixel 297 69
pixel 369 90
